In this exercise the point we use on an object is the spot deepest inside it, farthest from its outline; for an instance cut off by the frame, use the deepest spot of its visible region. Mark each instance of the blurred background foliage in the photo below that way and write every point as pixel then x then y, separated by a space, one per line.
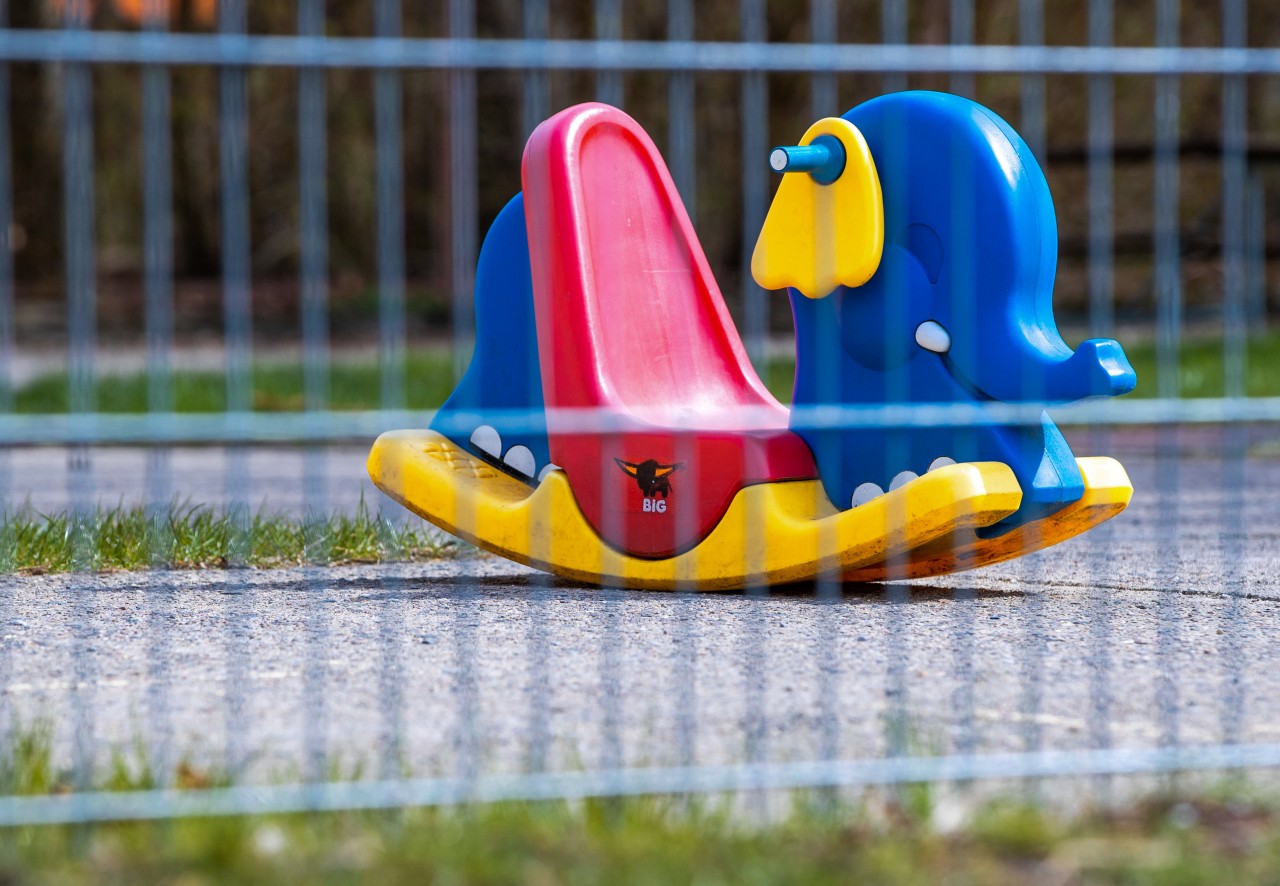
pixel 36 112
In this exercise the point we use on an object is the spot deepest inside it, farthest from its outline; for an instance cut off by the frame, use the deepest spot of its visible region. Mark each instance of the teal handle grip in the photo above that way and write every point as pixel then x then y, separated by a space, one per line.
pixel 823 159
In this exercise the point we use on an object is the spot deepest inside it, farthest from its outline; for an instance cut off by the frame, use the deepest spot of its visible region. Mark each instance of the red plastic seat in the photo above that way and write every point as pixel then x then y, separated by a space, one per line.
pixel 631 322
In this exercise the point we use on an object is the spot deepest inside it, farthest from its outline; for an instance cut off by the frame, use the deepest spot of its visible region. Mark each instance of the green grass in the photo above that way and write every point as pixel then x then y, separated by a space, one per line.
pixel 810 838
pixel 1200 367
pixel 278 387
pixel 186 536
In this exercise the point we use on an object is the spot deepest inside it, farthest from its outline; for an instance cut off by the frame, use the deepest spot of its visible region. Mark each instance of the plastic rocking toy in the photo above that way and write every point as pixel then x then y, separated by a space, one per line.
pixel 611 430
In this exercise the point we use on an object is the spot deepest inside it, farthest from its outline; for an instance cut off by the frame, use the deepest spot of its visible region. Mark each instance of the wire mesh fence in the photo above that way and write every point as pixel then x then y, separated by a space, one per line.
pixel 1142 647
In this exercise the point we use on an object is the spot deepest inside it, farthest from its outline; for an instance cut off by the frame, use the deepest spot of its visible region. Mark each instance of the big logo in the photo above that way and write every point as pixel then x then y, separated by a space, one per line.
pixel 653 480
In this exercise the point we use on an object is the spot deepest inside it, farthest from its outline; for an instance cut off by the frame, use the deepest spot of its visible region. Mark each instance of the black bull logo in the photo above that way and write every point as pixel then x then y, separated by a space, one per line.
pixel 651 477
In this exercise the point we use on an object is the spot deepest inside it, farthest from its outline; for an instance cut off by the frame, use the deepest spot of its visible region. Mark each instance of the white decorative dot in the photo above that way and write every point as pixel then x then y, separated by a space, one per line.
pixel 902 480
pixel 933 336
pixel 487 440
pixel 521 460
pixel 865 493
pixel 941 462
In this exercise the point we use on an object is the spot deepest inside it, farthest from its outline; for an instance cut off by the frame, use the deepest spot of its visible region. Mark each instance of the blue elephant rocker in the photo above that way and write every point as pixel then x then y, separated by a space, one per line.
pixel 611 430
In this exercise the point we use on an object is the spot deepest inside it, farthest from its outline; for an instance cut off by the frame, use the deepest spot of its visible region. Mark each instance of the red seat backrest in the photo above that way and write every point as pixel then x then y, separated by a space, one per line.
pixel 631 321
pixel 630 290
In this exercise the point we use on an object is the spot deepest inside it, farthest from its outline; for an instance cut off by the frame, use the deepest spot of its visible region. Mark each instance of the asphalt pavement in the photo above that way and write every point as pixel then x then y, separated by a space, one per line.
pixel 1158 628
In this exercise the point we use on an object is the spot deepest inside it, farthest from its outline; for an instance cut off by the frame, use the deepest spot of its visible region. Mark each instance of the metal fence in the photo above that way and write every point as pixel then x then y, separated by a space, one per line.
pixel 1130 651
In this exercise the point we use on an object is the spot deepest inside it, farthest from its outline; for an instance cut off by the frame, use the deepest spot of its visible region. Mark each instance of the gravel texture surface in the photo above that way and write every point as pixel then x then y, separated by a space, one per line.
pixel 1161 627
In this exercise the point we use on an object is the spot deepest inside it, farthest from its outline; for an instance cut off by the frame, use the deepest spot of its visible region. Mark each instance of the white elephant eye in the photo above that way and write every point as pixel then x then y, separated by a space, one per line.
pixel 933 336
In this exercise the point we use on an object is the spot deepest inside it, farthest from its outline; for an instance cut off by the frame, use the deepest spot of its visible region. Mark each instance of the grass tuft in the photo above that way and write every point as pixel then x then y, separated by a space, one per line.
pixel 187 536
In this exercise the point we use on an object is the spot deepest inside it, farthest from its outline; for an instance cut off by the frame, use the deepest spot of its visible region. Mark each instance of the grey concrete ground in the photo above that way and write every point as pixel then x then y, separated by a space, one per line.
pixel 1161 628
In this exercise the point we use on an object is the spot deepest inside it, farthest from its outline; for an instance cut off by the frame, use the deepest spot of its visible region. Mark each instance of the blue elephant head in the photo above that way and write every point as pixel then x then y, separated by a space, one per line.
pixel 959 310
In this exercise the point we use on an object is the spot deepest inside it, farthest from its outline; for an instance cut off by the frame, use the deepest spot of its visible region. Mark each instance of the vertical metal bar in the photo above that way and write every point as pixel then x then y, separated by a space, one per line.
pixel 313 197
pixel 462 188
pixel 78 206
pixel 824 97
pixel 1100 140
pixel 824 27
pixel 682 140
pixel 538 643
pixel 536 108
pixel 8 541
pixel 894 17
pixel 237 313
pixel 463 216
pixel 388 108
pixel 755 133
pixel 686 607
pixel 391 680
pixel 233 155
pixel 158 236
pixel 1031 33
pixel 681 126
pixel 78 209
pixel 158 251
pixel 1234 137
pixel 1168 285
pixel 1034 647
pixel 1098 659
pixel 6 287
pixel 609 89
pixel 897 725
pixel 682 133
pixel 1168 280
pixel 962 35
pixel 237 310
pixel 537 97
pixel 964 604
pixel 1235 365
pixel 1033 651
pixel 611 602
pixel 755 672
pixel 897 597
pixel 609 27
pixel 1256 254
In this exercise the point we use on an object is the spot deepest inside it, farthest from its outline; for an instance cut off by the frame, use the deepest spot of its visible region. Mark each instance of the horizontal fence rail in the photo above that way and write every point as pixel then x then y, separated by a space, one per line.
pixel 538 787
pixel 162 429
pixel 620 55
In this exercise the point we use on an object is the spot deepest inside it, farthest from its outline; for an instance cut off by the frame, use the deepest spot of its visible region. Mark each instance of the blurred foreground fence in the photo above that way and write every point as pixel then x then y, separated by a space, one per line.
pixel 1128 653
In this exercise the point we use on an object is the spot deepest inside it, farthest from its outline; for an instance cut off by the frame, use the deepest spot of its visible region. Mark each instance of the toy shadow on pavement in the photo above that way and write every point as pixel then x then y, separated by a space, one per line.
pixel 611 429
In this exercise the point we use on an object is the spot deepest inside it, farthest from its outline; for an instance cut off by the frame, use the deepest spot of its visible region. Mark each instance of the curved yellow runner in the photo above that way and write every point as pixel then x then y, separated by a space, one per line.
pixel 1107 492
pixel 772 533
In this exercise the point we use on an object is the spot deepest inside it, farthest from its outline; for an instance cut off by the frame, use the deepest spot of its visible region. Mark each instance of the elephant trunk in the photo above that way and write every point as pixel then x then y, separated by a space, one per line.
pixel 1098 368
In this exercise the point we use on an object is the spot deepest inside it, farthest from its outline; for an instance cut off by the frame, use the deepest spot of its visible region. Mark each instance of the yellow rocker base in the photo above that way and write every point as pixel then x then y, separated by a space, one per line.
pixel 773 533
pixel 1107 492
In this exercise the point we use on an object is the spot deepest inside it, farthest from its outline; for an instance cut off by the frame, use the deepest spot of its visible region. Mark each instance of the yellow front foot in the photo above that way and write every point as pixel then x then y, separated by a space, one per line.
pixel 1107 492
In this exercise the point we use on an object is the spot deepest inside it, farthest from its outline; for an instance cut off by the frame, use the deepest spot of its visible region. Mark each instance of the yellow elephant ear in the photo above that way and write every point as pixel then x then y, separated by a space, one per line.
pixel 820 236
